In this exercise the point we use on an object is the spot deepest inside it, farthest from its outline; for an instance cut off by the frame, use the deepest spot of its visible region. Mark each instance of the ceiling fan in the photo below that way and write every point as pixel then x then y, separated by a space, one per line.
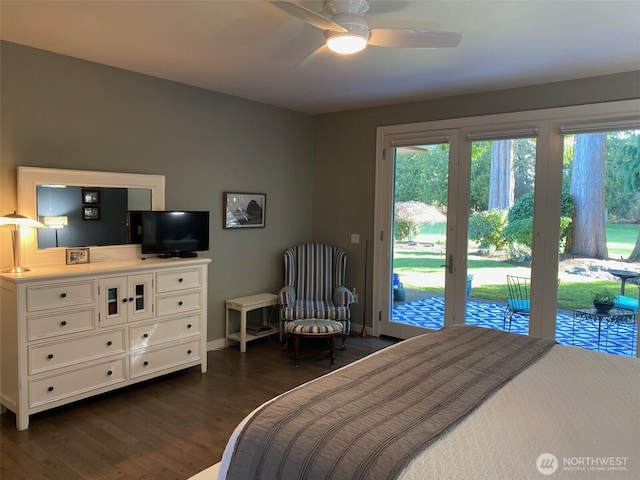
pixel 347 31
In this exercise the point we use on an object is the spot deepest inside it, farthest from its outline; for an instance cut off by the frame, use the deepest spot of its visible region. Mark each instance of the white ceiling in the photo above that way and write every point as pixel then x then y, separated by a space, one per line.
pixel 252 49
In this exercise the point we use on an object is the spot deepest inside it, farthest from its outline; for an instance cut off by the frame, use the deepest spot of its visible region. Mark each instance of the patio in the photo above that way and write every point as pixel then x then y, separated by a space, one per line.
pixel 428 313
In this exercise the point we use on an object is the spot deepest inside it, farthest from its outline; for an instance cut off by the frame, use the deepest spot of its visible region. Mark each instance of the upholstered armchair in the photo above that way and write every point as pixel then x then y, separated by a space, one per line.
pixel 314 278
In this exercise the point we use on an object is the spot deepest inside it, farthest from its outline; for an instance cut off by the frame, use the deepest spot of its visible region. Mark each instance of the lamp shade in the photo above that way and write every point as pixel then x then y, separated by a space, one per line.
pixel 56 222
pixel 19 220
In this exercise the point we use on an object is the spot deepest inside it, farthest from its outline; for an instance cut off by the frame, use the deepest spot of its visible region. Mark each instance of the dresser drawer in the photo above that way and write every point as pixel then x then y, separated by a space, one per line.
pixel 52 355
pixel 148 362
pixel 178 303
pixel 62 323
pixel 162 332
pixel 76 382
pixel 60 295
pixel 178 280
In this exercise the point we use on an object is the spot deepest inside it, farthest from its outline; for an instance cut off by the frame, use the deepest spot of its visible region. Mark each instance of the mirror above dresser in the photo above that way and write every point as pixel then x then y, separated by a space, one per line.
pixel 82 208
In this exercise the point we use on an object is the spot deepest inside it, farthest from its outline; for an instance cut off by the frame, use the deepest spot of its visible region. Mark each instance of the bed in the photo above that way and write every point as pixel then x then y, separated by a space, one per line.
pixel 465 403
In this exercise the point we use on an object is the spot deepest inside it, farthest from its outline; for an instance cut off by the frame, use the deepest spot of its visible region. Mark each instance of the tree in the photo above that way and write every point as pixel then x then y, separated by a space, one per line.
pixel 588 189
pixel 423 175
pixel 630 156
pixel 501 182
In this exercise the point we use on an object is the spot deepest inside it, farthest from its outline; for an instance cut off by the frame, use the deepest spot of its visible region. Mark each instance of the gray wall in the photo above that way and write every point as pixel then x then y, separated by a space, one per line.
pixel 61 112
pixel 345 156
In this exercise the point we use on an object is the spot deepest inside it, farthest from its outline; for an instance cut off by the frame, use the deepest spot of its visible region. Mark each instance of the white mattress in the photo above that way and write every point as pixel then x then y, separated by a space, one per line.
pixel 579 406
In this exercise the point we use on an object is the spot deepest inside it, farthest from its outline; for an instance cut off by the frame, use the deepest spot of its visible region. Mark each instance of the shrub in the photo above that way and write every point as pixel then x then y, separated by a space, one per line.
pixel 487 228
pixel 405 229
pixel 520 227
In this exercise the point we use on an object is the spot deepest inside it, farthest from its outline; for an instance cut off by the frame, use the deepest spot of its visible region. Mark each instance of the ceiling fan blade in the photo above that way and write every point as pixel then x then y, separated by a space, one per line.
pixel 413 38
pixel 309 16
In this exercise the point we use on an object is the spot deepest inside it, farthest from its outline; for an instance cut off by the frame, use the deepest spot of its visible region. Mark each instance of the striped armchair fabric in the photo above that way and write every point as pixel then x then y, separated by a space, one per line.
pixel 314 277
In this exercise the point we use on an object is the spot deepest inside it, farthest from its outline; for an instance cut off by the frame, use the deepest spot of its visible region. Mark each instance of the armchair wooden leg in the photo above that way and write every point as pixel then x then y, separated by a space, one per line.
pixel 344 342
pixel 284 345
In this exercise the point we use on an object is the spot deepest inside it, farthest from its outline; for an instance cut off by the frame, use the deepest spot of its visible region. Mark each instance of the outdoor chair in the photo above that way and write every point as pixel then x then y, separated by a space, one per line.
pixel 314 276
pixel 628 302
pixel 518 302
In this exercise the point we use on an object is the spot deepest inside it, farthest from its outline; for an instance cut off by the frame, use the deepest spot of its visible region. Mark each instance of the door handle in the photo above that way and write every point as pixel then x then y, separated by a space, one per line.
pixel 449 264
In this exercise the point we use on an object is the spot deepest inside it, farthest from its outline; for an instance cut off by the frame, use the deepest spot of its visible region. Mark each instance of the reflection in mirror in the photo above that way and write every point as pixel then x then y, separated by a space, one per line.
pixel 69 212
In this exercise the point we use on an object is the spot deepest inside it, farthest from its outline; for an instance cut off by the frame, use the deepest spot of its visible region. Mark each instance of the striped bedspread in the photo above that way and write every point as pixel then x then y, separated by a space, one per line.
pixel 370 419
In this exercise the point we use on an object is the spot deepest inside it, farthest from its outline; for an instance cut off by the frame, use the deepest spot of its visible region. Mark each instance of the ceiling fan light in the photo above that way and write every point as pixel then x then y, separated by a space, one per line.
pixel 346 43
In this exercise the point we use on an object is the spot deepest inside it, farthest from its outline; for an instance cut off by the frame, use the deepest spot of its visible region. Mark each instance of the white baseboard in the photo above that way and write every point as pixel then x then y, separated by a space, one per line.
pixel 218 344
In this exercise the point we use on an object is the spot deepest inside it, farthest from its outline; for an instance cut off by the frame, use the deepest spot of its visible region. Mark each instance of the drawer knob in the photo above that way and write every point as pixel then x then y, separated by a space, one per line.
pixel 63 295
pixel 124 300
pixel 189 326
pixel 109 343
pixel 146 363
pixel 131 299
pixel 188 352
pixel 146 335
pixel 179 280
pixel 180 303
pixel 50 389
pixel 50 356
pixel 63 323
pixel 109 373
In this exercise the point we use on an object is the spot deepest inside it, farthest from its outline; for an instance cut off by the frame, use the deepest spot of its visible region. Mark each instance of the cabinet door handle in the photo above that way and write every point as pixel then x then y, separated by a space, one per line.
pixel 131 299
pixel 146 335
pixel 146 363
pixel 189 326
pixel 179 280
pixel 63 295
pixel 124 300
pixel 63 323
pixel 50 389
pixel 180 303
pixel 109 343
pixel 50 356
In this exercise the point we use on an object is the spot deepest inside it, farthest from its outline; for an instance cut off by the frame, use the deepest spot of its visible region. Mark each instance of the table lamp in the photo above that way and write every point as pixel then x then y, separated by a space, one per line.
pixel 17 221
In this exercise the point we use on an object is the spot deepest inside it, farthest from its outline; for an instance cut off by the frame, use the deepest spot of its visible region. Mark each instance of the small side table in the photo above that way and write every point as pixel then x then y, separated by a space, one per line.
pixel 592 315
pixel 244 305
pixel 624 275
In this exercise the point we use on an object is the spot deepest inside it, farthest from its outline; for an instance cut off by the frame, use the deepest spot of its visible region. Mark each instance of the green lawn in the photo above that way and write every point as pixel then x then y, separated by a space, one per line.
pixel 621 238
pixel 571 295
pixel 620 242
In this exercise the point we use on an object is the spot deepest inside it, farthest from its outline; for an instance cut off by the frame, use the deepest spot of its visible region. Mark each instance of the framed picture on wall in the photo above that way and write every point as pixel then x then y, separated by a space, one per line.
pixel 90 196
pixel 244 210
pixel 91 213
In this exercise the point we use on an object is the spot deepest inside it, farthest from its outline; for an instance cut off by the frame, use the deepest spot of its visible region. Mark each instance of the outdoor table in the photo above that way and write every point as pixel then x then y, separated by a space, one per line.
pixel 613 316
pixel 623 275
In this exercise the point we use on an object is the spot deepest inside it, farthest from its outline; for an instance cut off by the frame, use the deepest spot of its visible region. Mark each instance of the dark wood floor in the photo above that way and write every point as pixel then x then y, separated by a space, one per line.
pixel 168 428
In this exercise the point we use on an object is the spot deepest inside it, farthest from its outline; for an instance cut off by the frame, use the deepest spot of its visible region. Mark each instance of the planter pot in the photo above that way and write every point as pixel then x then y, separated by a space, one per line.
pixel 602 307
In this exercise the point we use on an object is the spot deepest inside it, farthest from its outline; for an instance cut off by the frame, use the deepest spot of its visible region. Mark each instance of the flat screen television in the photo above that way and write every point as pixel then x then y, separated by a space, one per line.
pixel 170 233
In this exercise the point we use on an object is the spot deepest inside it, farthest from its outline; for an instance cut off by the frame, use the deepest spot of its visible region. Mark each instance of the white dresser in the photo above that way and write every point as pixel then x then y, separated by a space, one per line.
pixel 74 331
